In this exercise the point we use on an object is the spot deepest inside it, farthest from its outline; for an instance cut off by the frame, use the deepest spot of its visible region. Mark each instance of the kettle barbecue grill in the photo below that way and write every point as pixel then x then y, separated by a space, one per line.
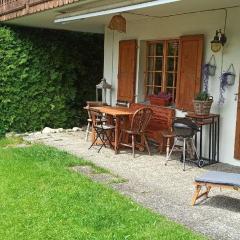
pixel 184 130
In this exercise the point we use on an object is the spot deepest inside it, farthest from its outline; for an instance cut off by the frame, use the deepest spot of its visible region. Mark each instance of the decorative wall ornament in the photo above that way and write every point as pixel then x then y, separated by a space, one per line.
pixel 226 79
pixel 209 69
pixel 118 23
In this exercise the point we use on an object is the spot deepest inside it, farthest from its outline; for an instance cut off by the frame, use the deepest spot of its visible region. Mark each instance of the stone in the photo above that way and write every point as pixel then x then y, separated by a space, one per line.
pixel 34 134
pixel 22 134
pixel 47 130
pixel 10 134
pixel 69 130
pixel 59 130
pixel 76 129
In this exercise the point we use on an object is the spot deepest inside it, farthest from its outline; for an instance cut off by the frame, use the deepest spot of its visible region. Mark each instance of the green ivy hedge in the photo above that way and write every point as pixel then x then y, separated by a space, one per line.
pixel 46 77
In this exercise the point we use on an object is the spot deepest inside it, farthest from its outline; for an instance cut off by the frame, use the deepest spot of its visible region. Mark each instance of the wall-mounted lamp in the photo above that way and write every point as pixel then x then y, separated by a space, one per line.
pixel 219 41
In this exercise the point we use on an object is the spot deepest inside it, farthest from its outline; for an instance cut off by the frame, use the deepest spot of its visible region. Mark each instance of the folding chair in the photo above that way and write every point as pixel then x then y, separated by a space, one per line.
pixel 89 120
pixel 103 130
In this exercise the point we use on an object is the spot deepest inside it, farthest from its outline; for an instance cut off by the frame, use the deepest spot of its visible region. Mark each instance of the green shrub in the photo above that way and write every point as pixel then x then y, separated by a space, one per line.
pixel 46 77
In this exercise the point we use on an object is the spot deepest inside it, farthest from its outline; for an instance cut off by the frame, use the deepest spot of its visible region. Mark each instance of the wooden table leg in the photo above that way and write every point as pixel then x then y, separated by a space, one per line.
pixel 168 148
pixel 196 194
pixel 116 133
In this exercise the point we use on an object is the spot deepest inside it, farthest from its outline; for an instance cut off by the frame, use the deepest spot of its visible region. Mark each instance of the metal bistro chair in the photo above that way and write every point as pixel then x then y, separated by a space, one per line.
pixel 103 130
pixel 138 127
pixel 89 120
pixel 184 130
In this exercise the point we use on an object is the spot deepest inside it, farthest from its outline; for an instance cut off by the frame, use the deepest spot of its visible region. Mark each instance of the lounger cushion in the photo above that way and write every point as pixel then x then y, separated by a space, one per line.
pixel 232 179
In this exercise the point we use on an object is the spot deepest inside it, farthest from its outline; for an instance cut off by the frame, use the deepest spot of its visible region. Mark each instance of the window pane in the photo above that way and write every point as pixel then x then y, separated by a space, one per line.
pixel 169 90
pixel 157 90
pixel 159 64
pixel 159 49
pixel 172 48
pixel 150 64
pixel 170 64
pixel 149 90
pixel 170 81
pixel 175 82
pixel 151 50
pixel 176 64
pixel 149 78
pixel 158 79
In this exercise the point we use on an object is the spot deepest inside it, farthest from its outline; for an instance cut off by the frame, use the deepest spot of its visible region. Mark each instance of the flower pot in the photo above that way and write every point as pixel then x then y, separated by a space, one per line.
pixel 202 107
pixel 211 70
pixel 154 100
pixel 230 79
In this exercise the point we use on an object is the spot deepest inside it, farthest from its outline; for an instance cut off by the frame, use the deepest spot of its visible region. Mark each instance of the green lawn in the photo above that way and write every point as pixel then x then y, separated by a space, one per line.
pixel 41 199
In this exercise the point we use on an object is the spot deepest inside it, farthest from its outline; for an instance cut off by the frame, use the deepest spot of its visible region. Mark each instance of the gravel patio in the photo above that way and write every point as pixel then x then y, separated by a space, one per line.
pixel 166 190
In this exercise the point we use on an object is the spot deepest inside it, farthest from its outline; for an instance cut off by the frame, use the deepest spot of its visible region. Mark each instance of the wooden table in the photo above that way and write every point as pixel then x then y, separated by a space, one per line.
pixel 118 113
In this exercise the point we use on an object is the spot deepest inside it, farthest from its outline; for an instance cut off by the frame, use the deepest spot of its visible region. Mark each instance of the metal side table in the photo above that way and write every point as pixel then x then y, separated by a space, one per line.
pixel 212 125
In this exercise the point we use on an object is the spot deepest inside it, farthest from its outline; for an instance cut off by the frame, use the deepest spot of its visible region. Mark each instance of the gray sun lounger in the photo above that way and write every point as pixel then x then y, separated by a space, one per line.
pixel 215 179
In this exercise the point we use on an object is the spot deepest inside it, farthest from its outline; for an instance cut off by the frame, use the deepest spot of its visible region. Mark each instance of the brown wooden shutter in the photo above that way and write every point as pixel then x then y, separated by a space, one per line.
pixel 237 134
pixel 127 70
pixel 190 68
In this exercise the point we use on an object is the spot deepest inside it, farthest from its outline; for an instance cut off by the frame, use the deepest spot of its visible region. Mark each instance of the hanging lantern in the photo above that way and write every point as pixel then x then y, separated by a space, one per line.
pixel 103 86
pixel 118 22
pixel 219 41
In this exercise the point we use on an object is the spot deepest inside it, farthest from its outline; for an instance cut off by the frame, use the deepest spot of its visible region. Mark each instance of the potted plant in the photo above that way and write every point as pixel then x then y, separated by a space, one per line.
pixel 209 69
pixel 162 99
pixel 226 79
pixel 202 103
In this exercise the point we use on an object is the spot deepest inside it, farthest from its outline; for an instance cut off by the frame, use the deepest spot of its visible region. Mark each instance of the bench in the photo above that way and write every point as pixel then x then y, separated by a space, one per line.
pixel 215 179
pixel 161 120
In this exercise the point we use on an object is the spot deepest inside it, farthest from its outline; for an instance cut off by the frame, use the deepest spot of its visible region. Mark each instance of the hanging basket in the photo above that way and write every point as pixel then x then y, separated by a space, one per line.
pixel 202 107
pixel 118 23
pixel 228 77
pixel 209 68
pixel 212 66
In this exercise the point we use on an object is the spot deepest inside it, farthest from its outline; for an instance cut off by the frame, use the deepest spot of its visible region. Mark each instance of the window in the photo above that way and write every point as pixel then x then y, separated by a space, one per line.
pixel 162 64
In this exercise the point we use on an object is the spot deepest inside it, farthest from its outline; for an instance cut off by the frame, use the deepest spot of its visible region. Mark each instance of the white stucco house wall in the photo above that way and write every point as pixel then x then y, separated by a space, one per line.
pixel 173 27
pixel 166 20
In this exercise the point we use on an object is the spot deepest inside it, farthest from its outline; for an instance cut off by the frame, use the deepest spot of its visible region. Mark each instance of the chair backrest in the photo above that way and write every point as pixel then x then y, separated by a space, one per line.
pixel 120 103
pixel 93 104
pixel 96 117
pixel 185 127
pixel 141 119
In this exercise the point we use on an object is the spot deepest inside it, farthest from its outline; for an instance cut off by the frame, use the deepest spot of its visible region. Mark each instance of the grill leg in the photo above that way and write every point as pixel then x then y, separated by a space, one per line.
pixel 169 154
pixel 195 150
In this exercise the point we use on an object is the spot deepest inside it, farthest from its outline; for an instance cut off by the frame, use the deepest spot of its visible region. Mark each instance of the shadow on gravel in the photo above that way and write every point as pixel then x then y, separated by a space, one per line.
pixel 223 202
